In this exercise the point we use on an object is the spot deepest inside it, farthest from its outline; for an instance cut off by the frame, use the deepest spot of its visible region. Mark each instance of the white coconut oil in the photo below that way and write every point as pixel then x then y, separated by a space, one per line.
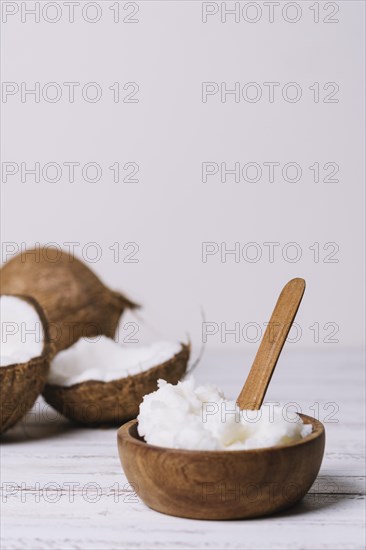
pixel 183 416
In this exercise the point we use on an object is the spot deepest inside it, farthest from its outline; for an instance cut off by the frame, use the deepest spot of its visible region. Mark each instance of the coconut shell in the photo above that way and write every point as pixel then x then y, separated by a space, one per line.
pixel 21 384
pixel 96 403
pixel 75 301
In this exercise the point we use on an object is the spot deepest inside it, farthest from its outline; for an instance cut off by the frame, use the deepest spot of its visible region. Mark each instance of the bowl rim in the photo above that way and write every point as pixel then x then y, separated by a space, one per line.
pixel 123 434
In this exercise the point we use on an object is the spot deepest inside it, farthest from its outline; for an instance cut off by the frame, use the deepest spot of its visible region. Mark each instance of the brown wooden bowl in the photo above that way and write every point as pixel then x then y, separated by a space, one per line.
pixel 221 484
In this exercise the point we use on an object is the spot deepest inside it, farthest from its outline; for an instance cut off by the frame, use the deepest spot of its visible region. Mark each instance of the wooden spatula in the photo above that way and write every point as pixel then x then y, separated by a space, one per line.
pixel 255 387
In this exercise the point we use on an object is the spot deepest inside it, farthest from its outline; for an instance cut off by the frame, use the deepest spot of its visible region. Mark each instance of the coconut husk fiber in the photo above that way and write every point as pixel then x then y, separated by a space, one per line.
pixel 96 403
pixel 75 301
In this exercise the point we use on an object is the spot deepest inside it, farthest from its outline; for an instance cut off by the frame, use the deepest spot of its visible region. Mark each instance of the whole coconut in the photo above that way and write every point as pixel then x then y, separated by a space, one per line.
pixel 75 301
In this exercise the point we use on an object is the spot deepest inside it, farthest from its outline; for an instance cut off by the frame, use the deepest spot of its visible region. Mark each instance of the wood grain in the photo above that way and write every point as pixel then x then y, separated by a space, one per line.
pixel 221 484
pixel 253 392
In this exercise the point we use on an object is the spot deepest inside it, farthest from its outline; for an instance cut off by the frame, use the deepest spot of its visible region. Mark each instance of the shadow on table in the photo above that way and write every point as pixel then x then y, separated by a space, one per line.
pixel 40 429
pixel 43 422
pixel 327 492
pixel 33 431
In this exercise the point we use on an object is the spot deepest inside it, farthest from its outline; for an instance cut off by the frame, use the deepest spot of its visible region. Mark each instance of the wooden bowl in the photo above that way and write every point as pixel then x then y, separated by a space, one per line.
pixel 221 484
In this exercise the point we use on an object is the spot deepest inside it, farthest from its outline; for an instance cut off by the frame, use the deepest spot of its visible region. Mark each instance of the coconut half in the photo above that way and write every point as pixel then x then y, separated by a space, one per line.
pixel 101 382
pixel 75 301
pixel 25 356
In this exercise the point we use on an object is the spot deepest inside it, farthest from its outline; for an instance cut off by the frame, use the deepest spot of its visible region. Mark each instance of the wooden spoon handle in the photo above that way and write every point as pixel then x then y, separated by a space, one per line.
pixel 255 387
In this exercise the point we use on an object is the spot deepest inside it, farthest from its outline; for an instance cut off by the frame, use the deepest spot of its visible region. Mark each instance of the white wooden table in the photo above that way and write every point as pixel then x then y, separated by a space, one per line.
pixel 63 488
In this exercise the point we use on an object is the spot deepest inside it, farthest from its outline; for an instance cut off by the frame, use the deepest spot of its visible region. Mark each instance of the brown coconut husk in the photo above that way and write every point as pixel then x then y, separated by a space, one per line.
pixel 96 403
pixel 22 383
pixel 76 303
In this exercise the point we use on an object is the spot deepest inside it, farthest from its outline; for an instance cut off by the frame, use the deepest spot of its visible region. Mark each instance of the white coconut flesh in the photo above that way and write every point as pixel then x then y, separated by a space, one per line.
pixel 105 360
pixel 22 335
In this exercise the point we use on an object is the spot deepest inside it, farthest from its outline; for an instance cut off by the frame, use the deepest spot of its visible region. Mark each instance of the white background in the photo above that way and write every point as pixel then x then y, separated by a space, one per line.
pixel 169 213
pixel 170 132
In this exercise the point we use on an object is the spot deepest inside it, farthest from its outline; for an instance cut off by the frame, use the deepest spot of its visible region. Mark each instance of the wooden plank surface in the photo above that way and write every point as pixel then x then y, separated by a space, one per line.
pixel 63 487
